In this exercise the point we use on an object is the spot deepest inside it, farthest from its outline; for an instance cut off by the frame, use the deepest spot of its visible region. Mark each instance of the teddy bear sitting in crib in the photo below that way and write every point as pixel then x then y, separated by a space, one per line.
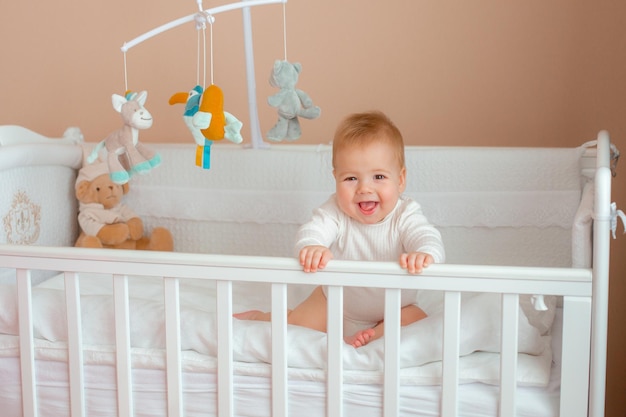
pixel 106 222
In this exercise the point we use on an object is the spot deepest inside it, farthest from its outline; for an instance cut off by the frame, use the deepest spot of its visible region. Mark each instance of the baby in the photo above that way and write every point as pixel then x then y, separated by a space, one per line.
pixel 367 219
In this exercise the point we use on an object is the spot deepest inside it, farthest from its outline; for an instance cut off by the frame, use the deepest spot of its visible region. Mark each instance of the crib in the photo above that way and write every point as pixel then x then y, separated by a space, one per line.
pixel 516 320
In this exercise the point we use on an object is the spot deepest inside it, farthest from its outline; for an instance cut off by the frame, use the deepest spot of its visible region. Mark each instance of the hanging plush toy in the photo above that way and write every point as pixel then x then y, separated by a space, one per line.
pixel 123 144
pixel 223 125
pixel 192 105
pixel 204 110
pixel 207 121
pixel 290 102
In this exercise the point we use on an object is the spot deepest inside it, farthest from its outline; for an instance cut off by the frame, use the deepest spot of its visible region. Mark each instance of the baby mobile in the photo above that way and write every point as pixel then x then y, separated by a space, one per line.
pixel 204 113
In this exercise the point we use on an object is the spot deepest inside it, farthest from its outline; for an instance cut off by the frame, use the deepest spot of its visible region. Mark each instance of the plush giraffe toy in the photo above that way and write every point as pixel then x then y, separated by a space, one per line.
pixel 123 145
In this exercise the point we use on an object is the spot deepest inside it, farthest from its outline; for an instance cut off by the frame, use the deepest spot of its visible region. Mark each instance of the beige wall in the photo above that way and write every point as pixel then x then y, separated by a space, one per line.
pixel 481 72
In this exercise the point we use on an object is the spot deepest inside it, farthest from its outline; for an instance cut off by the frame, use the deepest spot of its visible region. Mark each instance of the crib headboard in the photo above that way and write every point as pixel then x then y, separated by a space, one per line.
pixel 38 206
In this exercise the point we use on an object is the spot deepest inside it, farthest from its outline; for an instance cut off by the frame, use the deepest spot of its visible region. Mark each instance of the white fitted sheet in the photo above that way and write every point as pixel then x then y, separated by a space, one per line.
pixel 420 350
pixel 252 393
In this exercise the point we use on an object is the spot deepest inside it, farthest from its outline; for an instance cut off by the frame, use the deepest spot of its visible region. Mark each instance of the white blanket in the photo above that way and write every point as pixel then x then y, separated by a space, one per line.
pixel 420 349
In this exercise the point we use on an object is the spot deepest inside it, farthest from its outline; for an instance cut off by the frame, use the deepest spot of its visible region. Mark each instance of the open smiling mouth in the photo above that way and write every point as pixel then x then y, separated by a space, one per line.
pixel 368 207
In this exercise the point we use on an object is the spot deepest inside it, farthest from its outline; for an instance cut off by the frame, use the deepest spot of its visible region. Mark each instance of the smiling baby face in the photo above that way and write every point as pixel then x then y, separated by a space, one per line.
pixel 369 180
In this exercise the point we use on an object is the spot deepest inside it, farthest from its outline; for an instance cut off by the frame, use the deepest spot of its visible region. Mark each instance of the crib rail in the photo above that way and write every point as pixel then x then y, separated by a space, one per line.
pixel 575 285
pixel 484 278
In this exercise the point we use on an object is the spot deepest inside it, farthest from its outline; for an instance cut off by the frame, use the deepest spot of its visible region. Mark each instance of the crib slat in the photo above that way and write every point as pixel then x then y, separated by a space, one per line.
pixel 171 293
pixel 27 346
pixel 508 356
pixel 450 366
pixel 75 343
pixel 279 351
pixel 122 345
pixel 225 402
pixel 334 372
pixel 392 353
pixel 574 379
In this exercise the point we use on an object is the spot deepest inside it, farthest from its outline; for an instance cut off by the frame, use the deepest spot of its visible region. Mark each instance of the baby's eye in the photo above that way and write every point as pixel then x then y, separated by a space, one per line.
pixel 350 179
pixel 97 188
pixel 379 177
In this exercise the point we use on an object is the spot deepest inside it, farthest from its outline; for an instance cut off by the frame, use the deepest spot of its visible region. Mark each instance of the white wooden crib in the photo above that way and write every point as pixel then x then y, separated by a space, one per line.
pixel 87 332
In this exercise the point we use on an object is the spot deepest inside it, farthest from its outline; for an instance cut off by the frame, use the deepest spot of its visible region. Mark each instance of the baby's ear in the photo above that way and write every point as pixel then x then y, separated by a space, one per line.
pixel 402 180
pixel 125 188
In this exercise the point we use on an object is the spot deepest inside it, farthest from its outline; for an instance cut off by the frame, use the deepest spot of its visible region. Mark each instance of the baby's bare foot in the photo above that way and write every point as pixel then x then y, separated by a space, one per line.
pixel 247 315
pixel 360 338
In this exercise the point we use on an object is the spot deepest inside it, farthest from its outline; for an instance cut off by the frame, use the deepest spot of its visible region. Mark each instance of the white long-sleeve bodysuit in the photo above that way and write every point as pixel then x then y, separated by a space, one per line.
pixel 404 230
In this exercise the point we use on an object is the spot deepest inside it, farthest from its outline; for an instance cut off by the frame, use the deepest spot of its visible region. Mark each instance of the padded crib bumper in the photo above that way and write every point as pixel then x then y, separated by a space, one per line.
pixel 505 201
pixel 466 187
pixel 493 205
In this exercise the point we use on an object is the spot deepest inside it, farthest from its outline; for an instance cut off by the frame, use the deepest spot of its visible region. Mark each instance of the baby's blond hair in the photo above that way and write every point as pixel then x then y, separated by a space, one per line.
pixel 361 129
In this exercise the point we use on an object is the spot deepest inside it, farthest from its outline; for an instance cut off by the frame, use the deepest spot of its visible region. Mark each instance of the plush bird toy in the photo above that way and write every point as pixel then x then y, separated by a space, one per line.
pixel 192 105
pixel 207 121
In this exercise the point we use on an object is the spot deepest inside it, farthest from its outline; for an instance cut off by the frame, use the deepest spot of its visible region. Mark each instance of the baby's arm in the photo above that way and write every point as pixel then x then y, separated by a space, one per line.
pixel 314 257
pixel 415 262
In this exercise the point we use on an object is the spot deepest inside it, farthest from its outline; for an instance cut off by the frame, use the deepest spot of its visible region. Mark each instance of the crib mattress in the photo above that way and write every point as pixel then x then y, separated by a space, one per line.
pixel 420 354
pixel 252 398
pixel 420 373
